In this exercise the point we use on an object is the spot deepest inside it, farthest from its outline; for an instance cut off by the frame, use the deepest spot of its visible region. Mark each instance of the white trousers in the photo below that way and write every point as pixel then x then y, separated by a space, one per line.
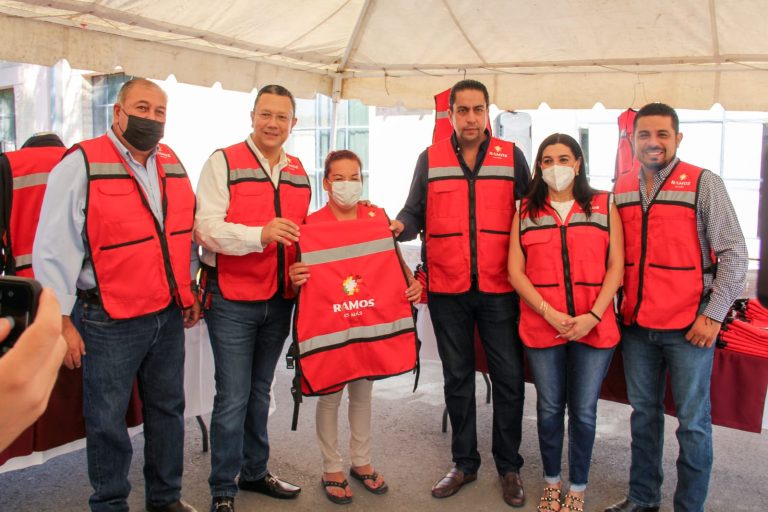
pixel 326 420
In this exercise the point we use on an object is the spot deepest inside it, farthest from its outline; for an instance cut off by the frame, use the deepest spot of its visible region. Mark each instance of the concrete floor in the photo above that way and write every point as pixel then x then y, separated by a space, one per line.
pixel 411 453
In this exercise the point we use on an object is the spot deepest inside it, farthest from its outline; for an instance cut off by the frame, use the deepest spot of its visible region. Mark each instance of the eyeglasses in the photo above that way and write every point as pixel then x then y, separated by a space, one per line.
pixel 267 116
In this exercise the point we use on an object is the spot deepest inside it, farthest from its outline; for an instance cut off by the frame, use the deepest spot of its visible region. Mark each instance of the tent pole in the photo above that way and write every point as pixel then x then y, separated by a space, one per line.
pixel 334 108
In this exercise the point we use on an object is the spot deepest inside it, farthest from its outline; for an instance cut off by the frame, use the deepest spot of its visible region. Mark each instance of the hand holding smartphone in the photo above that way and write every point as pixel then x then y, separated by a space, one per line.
pixel 19 299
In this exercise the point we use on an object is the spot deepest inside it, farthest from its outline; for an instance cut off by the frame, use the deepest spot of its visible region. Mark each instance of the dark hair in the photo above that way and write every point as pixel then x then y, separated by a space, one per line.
pixel 127 86
pixel 464 85
pixel 582 192
pixel 278 90
pixel 658 109
pixel 341 154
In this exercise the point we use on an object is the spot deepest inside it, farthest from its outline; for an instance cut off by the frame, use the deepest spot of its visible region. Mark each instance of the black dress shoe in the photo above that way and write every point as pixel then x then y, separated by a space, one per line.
pixel 628 506
pixel 223 504
pixel 271 486
pixel 176 506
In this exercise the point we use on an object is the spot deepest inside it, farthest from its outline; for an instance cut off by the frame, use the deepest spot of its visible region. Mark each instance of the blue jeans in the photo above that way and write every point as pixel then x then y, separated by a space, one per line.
pixel 454 318
pixel 117 351
pixel 247 339
pixel 648 355
pixel 569 374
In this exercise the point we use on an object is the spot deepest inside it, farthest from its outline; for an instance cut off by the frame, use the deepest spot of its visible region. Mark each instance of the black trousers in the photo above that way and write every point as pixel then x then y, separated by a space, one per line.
pixel 454 318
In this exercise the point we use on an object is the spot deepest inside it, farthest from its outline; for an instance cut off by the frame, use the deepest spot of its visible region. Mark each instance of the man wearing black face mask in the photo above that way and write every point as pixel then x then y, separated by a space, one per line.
pixel 115 243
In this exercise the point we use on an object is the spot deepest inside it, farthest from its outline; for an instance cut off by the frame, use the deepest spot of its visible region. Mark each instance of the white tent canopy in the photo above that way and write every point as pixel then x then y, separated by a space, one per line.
pixel 568 53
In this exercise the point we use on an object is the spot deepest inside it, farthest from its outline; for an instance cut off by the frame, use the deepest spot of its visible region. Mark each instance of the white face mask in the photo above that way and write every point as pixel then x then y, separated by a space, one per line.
pixel 346 193
pixel 558 177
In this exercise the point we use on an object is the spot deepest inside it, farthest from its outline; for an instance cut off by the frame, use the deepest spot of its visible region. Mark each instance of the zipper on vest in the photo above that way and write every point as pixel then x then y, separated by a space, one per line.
pixel 280 248
pixel 641 263
pixel 472 231
pixel 567 272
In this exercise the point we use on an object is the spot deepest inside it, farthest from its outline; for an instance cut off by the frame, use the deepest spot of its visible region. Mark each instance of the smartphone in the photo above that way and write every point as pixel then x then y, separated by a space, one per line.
pixel 18 299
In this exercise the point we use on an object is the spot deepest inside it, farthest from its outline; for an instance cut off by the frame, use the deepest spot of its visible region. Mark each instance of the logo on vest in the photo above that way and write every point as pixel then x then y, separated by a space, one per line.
pixel 352 307
pixel 496 152
pixel 163 154
pixel 681 181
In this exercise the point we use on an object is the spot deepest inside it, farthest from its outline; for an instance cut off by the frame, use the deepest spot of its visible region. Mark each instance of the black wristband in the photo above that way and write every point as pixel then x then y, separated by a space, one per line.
pixel 595 315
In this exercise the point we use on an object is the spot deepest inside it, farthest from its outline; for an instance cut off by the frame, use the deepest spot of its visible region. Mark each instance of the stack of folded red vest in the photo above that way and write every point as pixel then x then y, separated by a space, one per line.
pixel 748 335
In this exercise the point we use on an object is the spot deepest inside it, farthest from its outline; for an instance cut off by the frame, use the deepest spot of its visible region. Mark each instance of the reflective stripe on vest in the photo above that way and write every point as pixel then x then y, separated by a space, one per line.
pixel 663 277
pixel 566 263
pixel 254 201
pixel 139 265
pixel 352 319
pixel 468 219
pixel 30 168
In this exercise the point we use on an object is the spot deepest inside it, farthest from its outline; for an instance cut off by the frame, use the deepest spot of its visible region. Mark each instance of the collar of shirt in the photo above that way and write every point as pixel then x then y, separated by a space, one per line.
pixel 265 162
pixel 127 154
pixel 658 179
pixel 480 152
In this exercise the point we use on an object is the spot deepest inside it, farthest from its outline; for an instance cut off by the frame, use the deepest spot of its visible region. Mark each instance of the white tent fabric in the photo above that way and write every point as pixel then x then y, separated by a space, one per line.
pixel 569 54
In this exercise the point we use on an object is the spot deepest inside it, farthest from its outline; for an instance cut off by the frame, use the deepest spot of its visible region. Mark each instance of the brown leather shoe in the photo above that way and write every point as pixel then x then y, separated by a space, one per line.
pixel 512 490
pixel 451 483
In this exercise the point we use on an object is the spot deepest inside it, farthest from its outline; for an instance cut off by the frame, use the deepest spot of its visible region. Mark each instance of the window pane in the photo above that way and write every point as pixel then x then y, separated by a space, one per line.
pixel 701 144
pixel 323 145
pixel 305 113
pixel 358 113
pixel 103 97
pixel 323 111
pixel 7 120
pixel 358 142
pixel 341 113
pixel 302 145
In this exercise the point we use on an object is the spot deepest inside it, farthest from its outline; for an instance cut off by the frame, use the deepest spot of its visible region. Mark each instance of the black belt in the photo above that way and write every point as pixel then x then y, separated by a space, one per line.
pixel 89 296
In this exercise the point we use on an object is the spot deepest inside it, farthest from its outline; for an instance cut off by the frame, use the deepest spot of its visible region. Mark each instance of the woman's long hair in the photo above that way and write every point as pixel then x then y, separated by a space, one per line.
pixel 582 192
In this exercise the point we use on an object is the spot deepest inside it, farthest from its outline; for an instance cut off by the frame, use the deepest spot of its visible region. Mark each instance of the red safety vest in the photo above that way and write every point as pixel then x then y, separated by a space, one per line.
pixel 566 262
pixel 30 168
pixel 663 269
pixel 468 219
pixel 443 128
pixel 626 161
pixel 140 267
pixel 352 319
pixel 254 201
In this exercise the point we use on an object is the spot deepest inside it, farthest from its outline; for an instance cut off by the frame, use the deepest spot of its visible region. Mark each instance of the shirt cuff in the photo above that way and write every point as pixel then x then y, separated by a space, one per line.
pixel 253 239
pixel 716 312
pixel 67 303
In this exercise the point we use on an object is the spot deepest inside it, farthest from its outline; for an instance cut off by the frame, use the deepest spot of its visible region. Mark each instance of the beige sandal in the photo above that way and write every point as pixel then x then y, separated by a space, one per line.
pixel 549 497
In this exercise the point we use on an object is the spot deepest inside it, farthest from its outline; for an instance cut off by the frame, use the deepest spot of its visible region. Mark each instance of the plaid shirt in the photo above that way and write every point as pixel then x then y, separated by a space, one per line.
pixel 718 229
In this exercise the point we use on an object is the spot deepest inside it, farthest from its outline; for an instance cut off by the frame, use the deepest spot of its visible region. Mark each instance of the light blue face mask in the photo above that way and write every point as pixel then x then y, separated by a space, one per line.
pixel 346 193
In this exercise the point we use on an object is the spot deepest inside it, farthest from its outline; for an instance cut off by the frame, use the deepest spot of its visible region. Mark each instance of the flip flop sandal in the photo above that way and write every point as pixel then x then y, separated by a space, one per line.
pixel 576 504
pixel 549 498
pixel 339 500
pixel 372 477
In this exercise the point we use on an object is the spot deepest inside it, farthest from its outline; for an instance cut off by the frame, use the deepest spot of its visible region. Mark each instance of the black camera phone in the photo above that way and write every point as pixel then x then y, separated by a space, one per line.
pixel 18 299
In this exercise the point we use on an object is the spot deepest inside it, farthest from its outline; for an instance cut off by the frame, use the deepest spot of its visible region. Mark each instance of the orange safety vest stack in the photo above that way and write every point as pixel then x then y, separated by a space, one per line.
pixel 30 168
pixel 664 274
pixel 254 201
pixel 566 262
pixel 468 219
pixel 352 319
pixel 140 266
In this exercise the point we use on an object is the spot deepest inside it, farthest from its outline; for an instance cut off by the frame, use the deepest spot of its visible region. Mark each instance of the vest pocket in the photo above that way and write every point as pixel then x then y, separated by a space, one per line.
pixel 667 267
pixel 123 244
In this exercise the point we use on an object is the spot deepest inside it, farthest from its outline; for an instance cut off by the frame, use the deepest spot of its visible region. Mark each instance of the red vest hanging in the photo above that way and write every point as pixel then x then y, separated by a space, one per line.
pixel 626 161
pixel 30 168
pixel 139 267
pixel 352 319
pixel 254 201
pixel 566 262
pixel 443 128
pixel 468 219
pixel 663 269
